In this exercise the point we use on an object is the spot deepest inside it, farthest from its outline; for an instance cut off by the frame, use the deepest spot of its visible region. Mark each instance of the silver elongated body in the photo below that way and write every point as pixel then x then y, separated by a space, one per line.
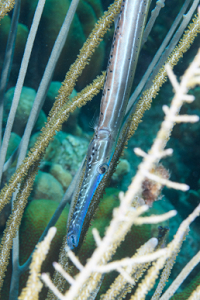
pixel 120 72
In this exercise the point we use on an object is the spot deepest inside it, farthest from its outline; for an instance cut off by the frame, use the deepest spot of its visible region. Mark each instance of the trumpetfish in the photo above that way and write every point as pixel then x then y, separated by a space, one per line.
pixel 119 78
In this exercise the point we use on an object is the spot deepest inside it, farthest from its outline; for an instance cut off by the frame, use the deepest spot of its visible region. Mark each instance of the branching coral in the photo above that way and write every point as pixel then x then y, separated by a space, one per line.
pixel 34 284
pixel 5 7
pixel 87 280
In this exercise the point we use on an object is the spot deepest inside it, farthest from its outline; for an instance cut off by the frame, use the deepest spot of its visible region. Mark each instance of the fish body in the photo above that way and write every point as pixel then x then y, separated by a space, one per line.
pixel 120 72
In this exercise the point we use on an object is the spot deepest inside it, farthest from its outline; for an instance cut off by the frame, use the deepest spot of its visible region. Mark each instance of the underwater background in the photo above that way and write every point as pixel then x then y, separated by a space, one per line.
pixel 66 151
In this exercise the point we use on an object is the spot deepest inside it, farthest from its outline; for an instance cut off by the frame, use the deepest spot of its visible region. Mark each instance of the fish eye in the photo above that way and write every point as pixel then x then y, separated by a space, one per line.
pixel 71 241
pixel 103 168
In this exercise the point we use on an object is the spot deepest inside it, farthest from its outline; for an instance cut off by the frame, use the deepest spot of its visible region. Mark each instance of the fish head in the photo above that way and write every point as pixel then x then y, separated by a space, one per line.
pixel 98 159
